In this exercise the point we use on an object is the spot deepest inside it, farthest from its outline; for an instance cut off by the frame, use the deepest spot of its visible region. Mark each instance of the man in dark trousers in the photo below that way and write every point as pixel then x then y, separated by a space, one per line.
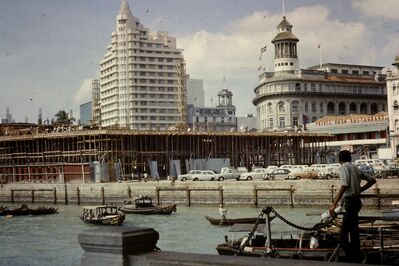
pixel 350 190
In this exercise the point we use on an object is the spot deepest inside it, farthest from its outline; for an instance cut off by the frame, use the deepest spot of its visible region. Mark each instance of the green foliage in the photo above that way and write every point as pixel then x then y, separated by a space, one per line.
pixel 62 117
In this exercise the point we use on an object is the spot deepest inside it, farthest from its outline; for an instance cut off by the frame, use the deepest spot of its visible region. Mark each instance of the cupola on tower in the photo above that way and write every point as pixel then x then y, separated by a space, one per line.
pixel 285 48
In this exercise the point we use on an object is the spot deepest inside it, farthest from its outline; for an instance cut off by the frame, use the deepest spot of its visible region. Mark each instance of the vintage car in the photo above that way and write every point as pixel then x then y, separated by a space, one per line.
pixel 257 173
pixel 308 173
pixel 189 175
pixel 278 174
pixel 228 173
pixel 207 175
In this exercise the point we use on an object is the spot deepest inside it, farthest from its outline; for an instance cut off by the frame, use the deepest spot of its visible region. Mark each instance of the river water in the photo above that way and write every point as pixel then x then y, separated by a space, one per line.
pixel 52 239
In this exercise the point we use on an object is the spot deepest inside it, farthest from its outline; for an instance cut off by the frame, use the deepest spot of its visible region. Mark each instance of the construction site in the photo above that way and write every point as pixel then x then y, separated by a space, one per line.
pixel 30 154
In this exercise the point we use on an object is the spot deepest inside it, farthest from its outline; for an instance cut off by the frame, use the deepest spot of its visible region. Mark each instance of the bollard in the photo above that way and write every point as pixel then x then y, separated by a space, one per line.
pixel 12 196
pixel 111 246
pixel 103 195
pixel 78 194
pixel 55 195
pixel 33 195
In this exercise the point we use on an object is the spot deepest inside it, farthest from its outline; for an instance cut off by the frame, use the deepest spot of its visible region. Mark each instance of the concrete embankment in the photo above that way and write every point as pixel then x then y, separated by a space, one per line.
pixel 252 193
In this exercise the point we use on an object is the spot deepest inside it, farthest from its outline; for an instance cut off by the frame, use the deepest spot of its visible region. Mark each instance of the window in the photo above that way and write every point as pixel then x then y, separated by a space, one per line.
pixel 281 122
pixel 333 70
pixel 271 123
pixel 270 108
pixel 306 107
pixel 295 121
pixel 355 72
pixel 291 63
pixel 330 108
pixel 297 86
pixel 363 108
pixel 294 107
pixel 314 118
pixel 342 108
pixel 352 108
pixel 395 89
pixel 366 73
pixel 321 107
pixel 313 107
pixel 344 71
pixel 281 107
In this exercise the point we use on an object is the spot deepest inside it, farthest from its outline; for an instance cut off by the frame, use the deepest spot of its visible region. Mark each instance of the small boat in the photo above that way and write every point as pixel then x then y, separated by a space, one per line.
pixel 379 245
pixel 25 210
pixel 102 215
pixel 144 205
pixel 231 221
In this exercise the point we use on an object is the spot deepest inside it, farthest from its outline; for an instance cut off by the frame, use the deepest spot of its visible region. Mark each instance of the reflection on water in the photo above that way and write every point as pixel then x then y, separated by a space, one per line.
pixel 52 240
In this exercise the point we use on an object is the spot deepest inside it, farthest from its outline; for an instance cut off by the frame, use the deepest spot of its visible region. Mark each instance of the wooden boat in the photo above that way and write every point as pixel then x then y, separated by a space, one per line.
pixel 231 221
pixel 144 205
pixel 25 210
pixel 382 248
pixel 102 215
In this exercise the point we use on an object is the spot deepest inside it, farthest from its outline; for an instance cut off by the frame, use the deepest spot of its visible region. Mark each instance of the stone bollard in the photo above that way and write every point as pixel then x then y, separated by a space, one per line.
pixel 111 246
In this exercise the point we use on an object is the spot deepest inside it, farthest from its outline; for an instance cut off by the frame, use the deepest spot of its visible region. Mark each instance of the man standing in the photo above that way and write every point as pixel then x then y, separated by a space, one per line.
pixel 222 212
pixel 350 190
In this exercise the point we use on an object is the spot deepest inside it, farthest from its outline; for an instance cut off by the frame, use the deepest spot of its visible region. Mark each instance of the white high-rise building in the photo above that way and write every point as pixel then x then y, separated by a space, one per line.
pixel 393 106
pixel 195 92
pixel 140 74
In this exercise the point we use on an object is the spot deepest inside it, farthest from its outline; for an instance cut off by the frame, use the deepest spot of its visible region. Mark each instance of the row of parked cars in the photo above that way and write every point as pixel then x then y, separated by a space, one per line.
pixel 375 168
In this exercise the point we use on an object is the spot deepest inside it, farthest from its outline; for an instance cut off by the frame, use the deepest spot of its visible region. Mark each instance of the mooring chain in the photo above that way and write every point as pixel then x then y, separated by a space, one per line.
pixel 251 234
pixel 316 227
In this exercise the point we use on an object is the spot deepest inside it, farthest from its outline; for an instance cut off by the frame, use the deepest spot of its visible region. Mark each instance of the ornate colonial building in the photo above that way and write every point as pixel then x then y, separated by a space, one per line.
pixel 393 106
pixel 142 77
pixel 289 98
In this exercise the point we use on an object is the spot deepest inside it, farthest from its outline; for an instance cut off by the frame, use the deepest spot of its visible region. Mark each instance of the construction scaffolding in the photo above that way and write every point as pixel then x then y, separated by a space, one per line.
pixel 126 154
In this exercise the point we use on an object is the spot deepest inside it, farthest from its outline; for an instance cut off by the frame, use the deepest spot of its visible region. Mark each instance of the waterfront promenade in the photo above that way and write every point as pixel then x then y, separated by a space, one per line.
pixel 231 193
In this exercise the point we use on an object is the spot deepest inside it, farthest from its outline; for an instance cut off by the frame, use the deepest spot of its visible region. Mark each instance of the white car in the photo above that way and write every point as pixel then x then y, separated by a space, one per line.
pixel 258 173
pixel 189 175
pixel 228 174
pixel 207 175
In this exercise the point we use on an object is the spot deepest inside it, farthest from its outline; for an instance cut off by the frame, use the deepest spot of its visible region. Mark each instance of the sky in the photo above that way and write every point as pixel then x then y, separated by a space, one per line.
pixel 50 49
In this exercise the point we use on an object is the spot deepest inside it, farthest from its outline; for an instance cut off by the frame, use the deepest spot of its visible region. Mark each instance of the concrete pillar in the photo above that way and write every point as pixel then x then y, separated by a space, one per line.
pixel 111 246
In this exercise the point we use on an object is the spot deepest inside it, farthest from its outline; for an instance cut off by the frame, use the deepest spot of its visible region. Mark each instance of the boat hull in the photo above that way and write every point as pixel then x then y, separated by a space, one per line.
pixel 114 220
pixel 165 210
pixel 218 221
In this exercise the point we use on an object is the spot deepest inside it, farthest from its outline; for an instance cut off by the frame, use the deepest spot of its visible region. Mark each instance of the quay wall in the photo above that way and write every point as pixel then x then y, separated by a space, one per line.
pixel 230 192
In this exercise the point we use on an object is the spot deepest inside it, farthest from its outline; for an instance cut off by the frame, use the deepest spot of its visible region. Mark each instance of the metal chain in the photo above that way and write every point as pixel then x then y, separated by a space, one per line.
pixel 251 234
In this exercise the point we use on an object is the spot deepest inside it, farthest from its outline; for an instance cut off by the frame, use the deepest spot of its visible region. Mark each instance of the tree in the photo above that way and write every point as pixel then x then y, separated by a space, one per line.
pixel 62 117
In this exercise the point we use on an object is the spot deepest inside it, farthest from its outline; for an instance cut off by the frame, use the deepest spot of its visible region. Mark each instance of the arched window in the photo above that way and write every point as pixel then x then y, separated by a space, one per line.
pixel 352 108
pixel 281 107
pixel 270 108
pixel 374 108
pixel 294 107
pixel 394 89
pixel 342 108
pixel 330 108
pixel 395 105
pixel 396 124
pixel 363 108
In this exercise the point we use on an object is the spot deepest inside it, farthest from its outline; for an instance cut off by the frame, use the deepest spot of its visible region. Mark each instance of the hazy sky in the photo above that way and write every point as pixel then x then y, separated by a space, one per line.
pixel 51 49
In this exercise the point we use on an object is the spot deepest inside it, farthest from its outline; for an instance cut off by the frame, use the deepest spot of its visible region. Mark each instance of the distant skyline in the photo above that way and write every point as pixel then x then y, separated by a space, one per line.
pixel 51 49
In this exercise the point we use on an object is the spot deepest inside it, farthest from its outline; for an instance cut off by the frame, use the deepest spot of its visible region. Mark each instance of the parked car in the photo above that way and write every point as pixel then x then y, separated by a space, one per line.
pixel 189 175
pixel 278 174
pixel 309 173
pixel 207 175
pixel 328 173
pixel 257 173
pixel 228 174
pixel 270 168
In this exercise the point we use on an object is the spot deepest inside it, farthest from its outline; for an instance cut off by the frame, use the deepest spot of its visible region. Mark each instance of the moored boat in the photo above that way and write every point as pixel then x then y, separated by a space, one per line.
pixel 102 215
pixel 144 205
pixel 231 221
pixel 379 245
pixel 25 210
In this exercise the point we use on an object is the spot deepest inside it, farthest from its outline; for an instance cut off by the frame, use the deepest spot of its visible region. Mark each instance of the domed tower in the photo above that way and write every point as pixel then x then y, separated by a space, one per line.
pixel 225 98
pixel 285 47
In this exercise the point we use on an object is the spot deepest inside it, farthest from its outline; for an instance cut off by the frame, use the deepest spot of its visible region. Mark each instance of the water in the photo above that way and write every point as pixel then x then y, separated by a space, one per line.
pixel 52 239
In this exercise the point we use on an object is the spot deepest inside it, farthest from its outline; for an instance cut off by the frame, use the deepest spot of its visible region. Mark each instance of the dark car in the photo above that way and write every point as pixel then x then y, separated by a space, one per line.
pixel 279 174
